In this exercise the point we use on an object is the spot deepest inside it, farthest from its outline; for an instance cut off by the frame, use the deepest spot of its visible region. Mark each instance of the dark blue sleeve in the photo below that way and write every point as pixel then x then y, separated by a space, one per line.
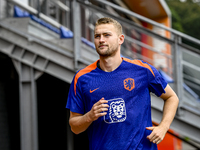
pixel 157 84
pixel 74 101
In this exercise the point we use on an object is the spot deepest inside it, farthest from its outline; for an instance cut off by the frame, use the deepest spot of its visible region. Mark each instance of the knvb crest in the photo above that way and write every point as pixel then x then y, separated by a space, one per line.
pixel 129 84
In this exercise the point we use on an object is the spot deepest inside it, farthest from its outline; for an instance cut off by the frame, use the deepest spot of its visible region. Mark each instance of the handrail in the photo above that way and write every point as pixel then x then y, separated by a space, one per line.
pixel 139 43
pixel 190 48
pixel 147 46
pixel 148 20
pixel 175 42
pixel 126 21
pixel 133 25
pixel 35 12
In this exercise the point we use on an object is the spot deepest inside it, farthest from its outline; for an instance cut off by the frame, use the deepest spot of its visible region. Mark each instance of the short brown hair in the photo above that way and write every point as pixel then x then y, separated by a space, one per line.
pixel 107 20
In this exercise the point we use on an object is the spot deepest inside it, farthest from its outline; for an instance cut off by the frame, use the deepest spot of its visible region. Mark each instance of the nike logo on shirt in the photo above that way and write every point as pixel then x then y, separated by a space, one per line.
pixel 91 91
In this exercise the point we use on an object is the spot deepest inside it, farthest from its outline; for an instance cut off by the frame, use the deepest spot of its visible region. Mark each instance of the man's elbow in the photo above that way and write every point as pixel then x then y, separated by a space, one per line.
pixel 175 98
pixel 74 129
pixel 177 102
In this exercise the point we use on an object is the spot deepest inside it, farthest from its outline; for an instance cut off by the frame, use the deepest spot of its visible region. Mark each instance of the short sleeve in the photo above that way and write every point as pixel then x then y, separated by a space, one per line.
pixel 157 84
pixel 74 101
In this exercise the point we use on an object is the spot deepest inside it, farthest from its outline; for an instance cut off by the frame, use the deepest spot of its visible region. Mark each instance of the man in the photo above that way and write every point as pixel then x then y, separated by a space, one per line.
pixel 111 97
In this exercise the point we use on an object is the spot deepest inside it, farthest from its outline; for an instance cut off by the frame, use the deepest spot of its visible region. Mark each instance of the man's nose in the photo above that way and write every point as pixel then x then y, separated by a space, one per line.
pixel 101 39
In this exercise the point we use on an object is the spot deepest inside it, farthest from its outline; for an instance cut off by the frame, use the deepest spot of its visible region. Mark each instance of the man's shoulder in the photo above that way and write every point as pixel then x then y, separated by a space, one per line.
pixel 140 63
pixel 86 70
pixel 136 61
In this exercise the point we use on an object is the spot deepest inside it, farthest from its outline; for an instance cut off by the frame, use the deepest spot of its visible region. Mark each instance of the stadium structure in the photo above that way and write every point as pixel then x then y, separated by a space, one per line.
pixel 44 42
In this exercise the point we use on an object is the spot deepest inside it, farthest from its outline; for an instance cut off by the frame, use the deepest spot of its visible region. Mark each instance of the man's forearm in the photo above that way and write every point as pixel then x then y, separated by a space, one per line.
pixel 170 106
pixel 169 111
pixel 79 123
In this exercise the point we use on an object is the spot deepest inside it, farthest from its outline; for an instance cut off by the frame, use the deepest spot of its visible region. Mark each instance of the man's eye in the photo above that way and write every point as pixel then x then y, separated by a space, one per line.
pixel 96 36
pixel 107 35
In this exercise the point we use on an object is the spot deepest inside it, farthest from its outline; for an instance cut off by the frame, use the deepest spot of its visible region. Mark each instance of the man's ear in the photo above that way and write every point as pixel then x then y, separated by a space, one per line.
pixel 121 39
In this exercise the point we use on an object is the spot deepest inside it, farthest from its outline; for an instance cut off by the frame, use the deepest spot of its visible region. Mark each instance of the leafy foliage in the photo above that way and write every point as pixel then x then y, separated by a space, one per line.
pixel 185 16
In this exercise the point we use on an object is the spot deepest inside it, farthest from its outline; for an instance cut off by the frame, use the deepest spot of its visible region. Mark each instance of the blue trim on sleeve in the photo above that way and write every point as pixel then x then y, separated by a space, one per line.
pixel 166 77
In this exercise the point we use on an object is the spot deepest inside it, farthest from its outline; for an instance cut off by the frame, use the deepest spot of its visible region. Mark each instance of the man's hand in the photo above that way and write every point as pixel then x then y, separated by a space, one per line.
pixel 80 122
pixel 169 110
pixel 99 109
pixel 157 134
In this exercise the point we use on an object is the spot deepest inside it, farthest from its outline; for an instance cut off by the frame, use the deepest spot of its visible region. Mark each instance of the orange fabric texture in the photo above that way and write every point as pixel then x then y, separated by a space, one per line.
pixel 94 66
pixel 139 63
pixel 82 72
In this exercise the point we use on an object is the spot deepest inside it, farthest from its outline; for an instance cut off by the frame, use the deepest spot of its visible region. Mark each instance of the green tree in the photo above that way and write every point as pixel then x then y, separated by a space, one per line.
pixel 185 17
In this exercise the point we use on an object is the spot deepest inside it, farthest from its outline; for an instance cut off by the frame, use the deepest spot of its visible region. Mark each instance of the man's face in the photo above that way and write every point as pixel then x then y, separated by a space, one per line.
pixel 106 39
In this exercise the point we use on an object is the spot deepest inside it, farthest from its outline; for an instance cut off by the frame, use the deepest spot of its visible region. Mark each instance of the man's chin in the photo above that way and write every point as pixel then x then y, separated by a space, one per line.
pixel 102 51
pixel 104 54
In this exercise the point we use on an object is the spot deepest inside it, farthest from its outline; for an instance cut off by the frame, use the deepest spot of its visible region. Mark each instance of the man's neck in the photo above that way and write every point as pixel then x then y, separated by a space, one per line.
pixel 110 63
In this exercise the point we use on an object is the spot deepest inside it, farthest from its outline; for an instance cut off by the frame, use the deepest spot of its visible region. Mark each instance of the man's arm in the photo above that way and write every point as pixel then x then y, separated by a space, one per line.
pixel 169 110
pixel 80 123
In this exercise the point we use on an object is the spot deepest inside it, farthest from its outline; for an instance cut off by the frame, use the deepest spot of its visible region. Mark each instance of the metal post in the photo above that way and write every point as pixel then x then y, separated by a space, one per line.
pixel 178 71
pixel 7 9
pixel 67 19
pixel 57 13
pixel 38 8
pixel 77 31
pixel 91 31
pixel 28 107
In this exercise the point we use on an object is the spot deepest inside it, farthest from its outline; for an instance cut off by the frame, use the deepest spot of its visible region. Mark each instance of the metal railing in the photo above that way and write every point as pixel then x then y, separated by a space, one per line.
pixel 54 12
pixel 3 10
pixel 132 47
pixel 80 16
